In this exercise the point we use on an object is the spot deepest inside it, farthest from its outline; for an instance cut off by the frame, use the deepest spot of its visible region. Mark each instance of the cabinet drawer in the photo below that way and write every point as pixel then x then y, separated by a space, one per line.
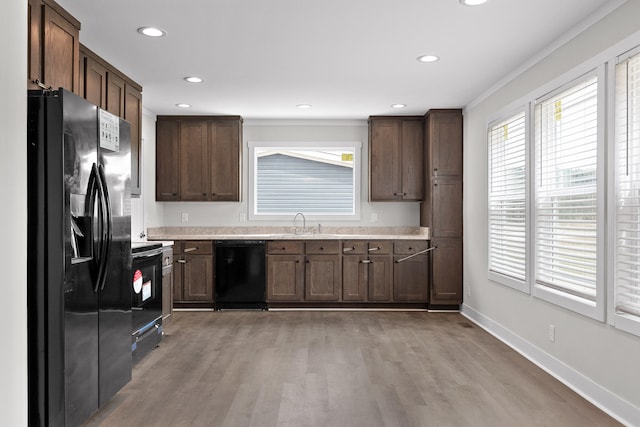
pixel 197 247
pixel 408 247
pixel 354 247
pixel 322 247
pixel 380 247
pixel 285 247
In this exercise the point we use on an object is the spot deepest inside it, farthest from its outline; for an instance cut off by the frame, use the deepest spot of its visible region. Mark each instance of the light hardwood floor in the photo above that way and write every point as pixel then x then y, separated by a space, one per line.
pixel 325 369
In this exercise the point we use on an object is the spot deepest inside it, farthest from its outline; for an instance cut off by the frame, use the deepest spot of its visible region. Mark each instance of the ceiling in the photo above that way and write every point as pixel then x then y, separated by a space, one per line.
pixel 348 59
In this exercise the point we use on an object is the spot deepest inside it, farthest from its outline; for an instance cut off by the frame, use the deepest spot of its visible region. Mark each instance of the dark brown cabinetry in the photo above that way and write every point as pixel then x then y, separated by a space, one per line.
pixel 366 277
pixel 206 166
pixel 53 47
pixel 442 207
pixel 323 272
pixel 411 271
pixel 396 158
pixel 109 89
pixel 285 271
pixel 193 274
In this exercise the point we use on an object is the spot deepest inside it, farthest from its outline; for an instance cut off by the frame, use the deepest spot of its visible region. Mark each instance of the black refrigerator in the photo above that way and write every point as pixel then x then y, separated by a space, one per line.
pixel 79 257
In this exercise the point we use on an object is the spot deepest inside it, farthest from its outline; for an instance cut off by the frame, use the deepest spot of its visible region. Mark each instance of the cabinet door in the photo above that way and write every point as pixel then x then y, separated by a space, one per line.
pixel 115 94
pixel 167 161
pixel 445 136
pixel 194 161
pixel 411 279
pixel 34 42
pixel 94 82
pixel 322 278
pixel 380 278
pixel 354 277
pixel 412 160
pixel 384 160
pixel 446 285
pixel 61 51
pixel 446 203
pixel 133 114
pixel 198 278
pixel 285 277
pixel 224 149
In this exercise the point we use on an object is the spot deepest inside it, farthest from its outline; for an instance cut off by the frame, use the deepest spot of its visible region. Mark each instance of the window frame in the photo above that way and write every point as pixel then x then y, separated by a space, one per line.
pixel 595 310
pixel 512 282
pixel 356 146
pixel 624 322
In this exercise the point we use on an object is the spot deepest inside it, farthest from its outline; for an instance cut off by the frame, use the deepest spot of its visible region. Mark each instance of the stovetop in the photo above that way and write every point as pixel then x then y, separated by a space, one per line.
pixel 144 246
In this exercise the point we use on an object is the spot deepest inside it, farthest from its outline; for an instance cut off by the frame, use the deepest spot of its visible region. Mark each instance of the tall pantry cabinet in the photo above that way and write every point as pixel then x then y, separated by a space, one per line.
pixel 441 209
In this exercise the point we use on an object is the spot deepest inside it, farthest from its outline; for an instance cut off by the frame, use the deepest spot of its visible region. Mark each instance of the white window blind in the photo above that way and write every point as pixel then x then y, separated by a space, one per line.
pixel 627 137
pixel 566 196
pixel 507 200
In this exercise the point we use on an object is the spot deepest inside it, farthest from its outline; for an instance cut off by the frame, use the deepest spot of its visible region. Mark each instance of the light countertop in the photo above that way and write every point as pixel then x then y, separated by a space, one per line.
pixel 287 233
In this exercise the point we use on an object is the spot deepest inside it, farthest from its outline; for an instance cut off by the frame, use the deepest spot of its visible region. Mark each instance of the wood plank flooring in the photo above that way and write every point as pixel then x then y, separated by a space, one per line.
pixel 325 369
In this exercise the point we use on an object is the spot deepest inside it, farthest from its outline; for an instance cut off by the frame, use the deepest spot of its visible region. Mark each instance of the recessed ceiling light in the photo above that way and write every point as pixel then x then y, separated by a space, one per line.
pixel 304 106
pixel 472 2
pixel 193 79
pixel 183 105
pixel 398 105
pixel 152 32
pixel 427 58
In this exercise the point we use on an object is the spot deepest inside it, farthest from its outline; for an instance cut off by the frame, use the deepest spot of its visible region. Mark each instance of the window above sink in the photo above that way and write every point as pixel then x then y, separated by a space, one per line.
pixel 319 179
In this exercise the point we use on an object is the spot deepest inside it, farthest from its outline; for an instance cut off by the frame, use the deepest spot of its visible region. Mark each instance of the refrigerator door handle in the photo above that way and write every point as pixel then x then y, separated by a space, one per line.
pixel 108 223
pixel 103 251
pixel 94 191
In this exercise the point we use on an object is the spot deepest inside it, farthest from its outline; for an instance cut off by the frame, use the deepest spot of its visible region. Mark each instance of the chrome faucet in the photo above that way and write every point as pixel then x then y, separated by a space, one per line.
pixel 304 223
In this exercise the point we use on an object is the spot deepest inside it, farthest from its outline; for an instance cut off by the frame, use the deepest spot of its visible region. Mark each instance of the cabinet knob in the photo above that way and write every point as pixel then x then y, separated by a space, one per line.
pixel 213 194
pixel 322 248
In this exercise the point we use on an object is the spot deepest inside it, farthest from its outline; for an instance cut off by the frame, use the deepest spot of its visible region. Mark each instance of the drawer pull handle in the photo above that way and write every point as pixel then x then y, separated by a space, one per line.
pixel 191 249
pixel 352 248
pixel 366 261
pixel 181 261
pixel 377 248
pixel 416 254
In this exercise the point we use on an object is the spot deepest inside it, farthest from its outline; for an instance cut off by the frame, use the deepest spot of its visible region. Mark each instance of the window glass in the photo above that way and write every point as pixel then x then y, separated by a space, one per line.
pixel 627 148
pixel 507 199
pixel 566 193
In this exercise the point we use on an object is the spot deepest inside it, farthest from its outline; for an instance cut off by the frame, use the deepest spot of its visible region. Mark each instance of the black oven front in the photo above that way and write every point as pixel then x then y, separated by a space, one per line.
pixel 146 298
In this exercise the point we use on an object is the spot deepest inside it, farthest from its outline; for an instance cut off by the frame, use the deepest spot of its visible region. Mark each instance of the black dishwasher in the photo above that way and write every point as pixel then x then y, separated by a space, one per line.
pixel 240 274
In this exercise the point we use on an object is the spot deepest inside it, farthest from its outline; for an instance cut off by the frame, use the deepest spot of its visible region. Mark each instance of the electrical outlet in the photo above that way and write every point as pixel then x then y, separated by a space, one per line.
pixel 468 290
pixel 185 217
pixel 374 217
pixel 552 333
pixel 242 217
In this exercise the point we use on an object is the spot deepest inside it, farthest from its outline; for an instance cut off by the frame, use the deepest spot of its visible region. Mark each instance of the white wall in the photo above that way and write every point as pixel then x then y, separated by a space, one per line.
pixel 145 212
pixel 13 226
pixel 593 356
pixel 228 213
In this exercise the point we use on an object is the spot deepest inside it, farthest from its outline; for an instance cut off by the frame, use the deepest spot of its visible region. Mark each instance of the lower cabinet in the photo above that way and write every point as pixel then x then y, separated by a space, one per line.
pixel 366 278
pixel 411 271
pixel 349 271
pixel 285 278
pixel 193 276
pixel 446 285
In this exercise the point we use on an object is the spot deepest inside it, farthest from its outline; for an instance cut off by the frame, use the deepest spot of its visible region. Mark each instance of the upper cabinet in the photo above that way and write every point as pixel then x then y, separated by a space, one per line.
pixel 395 158
pixel 109 89
pixel 198 158
pixel 53 47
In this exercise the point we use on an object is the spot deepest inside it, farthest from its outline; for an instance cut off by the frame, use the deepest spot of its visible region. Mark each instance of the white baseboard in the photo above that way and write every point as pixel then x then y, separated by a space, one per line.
pixel 618 408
